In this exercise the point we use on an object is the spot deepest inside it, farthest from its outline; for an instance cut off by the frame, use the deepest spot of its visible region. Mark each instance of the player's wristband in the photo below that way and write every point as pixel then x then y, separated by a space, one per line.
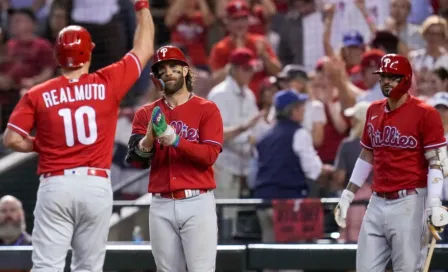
pixel 139 5
pixel 361 172
pixel 435 183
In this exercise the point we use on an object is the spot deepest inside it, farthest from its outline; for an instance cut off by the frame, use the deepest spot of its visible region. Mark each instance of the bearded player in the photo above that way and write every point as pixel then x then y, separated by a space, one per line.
pixel 74 117
pixel 403 142
pixel 180 136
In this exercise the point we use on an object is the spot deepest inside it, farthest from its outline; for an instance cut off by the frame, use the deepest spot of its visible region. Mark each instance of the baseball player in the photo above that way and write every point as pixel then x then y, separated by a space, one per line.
pixel 403 142
pixel 180 136
pixel 74 117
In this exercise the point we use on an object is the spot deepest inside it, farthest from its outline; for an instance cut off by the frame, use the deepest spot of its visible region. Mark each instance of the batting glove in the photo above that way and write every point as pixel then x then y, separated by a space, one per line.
pixel 437 216
pixel 340 212
pixel 166 134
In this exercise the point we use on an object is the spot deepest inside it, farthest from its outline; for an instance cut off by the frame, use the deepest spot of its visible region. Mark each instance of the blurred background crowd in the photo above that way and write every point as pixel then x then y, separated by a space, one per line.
pixel 242 52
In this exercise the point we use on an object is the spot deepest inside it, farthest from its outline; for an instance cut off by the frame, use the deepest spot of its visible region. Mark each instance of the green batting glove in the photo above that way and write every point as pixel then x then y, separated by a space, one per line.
pixel 158 121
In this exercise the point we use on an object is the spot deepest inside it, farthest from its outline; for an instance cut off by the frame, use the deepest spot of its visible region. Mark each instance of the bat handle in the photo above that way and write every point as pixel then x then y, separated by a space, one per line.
pixel 430 253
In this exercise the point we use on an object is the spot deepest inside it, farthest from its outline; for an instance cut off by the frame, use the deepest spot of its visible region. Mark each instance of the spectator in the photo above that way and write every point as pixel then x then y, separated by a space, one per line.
pixel 58 18
pixel 397 23
pixel 327 92
pixel 389 43
pixel 268 64
pixel 267 90
pixel 260 13
pixel 431 82
pixel 286 158
pixel 295 77
pixel 349 93
pixel 435 32
pixel 29 59
pixel 12 223
pixel 189 21
pixel 239 112
pixel 346 157
pixel 301 39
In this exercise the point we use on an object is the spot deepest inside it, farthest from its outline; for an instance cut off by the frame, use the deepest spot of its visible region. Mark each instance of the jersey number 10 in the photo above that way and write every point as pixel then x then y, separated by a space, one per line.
pixel 81 134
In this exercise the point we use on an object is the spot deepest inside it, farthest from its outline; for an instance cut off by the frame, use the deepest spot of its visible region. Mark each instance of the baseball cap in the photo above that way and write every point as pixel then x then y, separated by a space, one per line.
pixel 359 110
pixel 439 99
pixel 284 98
pixel 291 71
pixel 25 11
pixel 353 38
pixel 243 57
pixel 237 9
pixel 370 58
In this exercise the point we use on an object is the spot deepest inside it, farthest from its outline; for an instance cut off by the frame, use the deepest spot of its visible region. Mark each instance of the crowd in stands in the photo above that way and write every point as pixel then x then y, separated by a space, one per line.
pixel 242 53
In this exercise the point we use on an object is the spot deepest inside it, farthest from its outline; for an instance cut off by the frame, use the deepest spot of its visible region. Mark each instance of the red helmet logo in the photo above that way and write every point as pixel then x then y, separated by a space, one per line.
pixel 397 65
pixel 73 47
pixel 166 53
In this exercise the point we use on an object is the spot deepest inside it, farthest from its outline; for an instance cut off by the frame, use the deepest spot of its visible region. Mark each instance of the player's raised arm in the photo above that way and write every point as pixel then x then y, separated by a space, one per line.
pixel 144 34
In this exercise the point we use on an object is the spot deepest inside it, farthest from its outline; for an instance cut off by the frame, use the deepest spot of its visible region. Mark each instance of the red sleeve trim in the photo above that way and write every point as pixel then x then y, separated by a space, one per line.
pixel 365 146
pixel 18 130
pixel 137 61
pixel 433 146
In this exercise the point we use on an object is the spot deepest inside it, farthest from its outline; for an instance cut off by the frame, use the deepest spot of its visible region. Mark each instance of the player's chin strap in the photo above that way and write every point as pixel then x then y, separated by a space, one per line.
pixel 437 214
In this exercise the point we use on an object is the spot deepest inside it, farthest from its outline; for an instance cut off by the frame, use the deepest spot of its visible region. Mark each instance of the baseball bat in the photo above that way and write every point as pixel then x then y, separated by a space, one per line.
pixel 430 252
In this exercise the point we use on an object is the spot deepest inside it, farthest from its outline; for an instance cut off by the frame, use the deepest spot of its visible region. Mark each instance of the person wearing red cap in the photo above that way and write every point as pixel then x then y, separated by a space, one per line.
pixel 237 25
pixel 403 143
pixel 349 94
pixel 75 116
pixel 240 113
pixel 180 137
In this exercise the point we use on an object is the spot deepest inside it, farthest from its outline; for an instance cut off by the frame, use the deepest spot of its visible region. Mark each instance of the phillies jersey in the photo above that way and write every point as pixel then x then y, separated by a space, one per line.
pixel 75 120
pixel 398 139
pixel 199 124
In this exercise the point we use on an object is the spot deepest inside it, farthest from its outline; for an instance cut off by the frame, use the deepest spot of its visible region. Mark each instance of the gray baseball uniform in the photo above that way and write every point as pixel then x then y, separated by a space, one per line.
pixel 72 210
pixel 399 224
pixel 184 233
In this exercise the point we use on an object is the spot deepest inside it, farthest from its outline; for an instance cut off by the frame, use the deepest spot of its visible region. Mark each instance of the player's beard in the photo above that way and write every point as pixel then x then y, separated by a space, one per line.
pixel 10 230
pixel 172 87
pixel 386 90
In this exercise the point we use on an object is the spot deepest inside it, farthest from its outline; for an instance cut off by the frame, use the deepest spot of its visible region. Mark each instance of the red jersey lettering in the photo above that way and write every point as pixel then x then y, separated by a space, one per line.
pixel 198 122
pixel 75 120
pixel 398 140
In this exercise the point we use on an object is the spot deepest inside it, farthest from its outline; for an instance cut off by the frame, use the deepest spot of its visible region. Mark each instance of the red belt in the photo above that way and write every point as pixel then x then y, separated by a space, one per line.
pixel 182 194
pixel 90 172
pixel 397 194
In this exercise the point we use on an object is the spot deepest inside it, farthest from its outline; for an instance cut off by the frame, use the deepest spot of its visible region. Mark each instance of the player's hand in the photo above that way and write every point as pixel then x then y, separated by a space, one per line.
pixel 437 217
pixel 165 133
pixel 158 83
pixel 340 212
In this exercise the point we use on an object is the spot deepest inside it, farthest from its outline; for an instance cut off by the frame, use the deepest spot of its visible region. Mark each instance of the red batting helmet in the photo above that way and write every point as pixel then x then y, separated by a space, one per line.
pixel 73 47
pixel 397 65
pixel 168 52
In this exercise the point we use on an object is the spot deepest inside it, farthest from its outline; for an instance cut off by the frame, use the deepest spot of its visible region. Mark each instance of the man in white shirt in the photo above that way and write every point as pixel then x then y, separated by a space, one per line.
pixel 240 113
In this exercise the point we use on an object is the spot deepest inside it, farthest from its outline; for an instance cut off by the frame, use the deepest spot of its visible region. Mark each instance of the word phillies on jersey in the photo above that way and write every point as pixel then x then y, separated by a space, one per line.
pixel 390 136
pixel 75 93
pixel 184 131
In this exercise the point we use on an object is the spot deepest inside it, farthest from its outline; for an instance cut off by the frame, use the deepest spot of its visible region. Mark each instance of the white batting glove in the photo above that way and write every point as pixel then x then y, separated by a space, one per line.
pixel 340 212
pixel 437 216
